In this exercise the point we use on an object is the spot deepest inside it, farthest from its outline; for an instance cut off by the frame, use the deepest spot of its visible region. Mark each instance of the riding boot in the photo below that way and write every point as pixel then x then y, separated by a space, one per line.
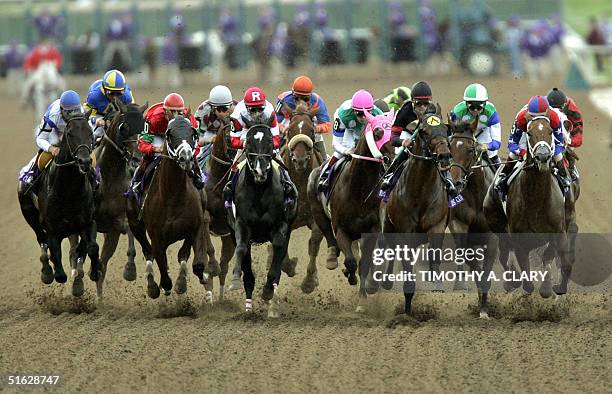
pixel 324 177
pixel 563 176
pixel 320 147
pixel 228 190
pixel 502 183
pixel 571 160
pixel 137 179
pixel 197 176
pixel 390 178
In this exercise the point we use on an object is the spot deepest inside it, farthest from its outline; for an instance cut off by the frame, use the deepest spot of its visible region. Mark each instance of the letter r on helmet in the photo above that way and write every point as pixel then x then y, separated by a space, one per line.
pixel 255 96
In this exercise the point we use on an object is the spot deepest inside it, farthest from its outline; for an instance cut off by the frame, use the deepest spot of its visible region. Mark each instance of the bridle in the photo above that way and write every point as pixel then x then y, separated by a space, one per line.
pixel 121 146
pixel 467 172
pixel 73 152
pixel 532 149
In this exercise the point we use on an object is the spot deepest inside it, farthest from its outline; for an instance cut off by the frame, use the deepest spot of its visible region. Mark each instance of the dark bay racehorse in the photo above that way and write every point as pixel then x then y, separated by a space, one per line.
pixel 66 206
pixel 218 169
pixel 419 203
pixel 473 176
pixel 354 208
pixel 116 156
pixel 535 211
pixel 261 214
pixel 301 158
pixel 173 210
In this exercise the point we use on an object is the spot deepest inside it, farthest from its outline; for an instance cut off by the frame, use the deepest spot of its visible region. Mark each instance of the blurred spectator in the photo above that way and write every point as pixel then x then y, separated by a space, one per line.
pixel 556 31
pixel 431 38
pixel 230 36
pixel 171 69
pixel 263 45
pixel 596 37
pixel 149 58
pixel 13 61
pixel 83 51
pixel 47 25
pixel 118 34
pixel 514 36
pixel 536 45
pixel 402 36
pixel 299 35
pixel 330 53
pixel 606 27
pixel 45 51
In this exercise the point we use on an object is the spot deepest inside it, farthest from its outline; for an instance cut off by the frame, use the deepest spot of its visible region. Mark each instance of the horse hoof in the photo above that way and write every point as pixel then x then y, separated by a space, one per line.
pixel 210 298
pixel 248 305
pixel 528 287
pixel 387 285
pixel 181 285
pixel 46 275
pixel 546 290
pixel 352 278
pixel 152 288
pixel 77 287
pixel 509 287
pixel 129 272
pixel 460 285
pixel 331 263
pixel 272 314
pixel 95 275
pixel 309 284
pixel 288 267
pixel 61 277
pixel 267 293
pixel 360 309
pixel 560 290
pixel 484 315
pixel 214 269
pixel 167 292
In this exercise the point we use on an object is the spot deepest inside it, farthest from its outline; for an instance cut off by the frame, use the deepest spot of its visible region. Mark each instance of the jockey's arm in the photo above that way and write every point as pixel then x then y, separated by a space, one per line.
pixel 338 137
pixel 323 122
pixel 495 132
pixel 42 136
pixel 236 135
pixel 275 134
pixel 559 143
pixel 145 143
pixel 514 142
pixel 575 116
pixel 206 137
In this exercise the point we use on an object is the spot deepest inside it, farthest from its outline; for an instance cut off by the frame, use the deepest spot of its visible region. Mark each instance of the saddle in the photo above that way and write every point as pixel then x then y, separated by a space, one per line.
pixel 45 158
pixel 333 172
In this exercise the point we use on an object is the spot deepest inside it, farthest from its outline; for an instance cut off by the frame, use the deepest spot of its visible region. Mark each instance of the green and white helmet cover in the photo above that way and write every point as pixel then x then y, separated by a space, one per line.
pixel 475 92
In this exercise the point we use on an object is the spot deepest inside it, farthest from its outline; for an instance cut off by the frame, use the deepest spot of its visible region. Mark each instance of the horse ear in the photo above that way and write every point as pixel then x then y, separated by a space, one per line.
pixel 369 116
pixel 143 107
pixel 438 110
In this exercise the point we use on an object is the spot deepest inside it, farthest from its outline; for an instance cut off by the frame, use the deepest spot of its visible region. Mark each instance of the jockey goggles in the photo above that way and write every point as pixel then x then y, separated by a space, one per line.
pixel 421 103
pixel 359 114
pixel 256 109
pixel 112 93
pixel 476 106
pixel 222 108
pixel 302 97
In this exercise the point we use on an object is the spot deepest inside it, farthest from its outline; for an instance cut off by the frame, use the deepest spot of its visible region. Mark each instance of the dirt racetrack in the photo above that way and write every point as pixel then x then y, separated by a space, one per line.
pixel 129 343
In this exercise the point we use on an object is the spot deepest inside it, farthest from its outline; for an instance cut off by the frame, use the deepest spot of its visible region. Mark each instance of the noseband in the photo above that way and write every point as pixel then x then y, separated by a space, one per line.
pixel 73 152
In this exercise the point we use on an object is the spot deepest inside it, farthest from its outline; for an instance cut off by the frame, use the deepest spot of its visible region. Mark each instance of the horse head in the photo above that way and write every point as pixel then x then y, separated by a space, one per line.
pixel 540 141
pixel 301 134
pixel 433 139
pixel 125 126
pixel 463 146
pixel 77 143
pixel 377 135
pixel 180 142
pixel 259 151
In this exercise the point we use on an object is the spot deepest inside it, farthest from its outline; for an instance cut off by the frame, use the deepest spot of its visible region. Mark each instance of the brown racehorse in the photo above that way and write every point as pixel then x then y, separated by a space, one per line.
pixel 172 210
pixel 353 206
pixel 419 203
pixel 535 205
pixel 217 167
pixel 301 158
pixel 117 156
pixel 473 176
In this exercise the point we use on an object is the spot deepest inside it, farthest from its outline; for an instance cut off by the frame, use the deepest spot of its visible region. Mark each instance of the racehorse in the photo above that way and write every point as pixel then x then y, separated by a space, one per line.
pixel 353 206
pixel 472 175
pixel 65 200
pixel 418 205
pixel 172 210
pixel 261 214
pixel 218 169
pixel 535 205
pixel 117 157
pixel 301 159
pixel 44 85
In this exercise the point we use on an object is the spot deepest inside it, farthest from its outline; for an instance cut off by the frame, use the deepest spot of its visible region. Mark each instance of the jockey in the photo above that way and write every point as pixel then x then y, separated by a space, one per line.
pixel 49 133
pixel 42 53
pixel 349 123
pixel 254 109
pixel 101 98
pixel 302 91
pixel 517 142
pixel 219 105
pixel 475 105
pixel 405 124
pixel 398 96
pixel 156 124
pixel 557 99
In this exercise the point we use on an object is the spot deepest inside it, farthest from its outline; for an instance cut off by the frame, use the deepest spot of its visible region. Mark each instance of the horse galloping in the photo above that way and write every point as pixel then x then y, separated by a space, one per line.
pixel 353 206
pixel 172 210
pixel 64 205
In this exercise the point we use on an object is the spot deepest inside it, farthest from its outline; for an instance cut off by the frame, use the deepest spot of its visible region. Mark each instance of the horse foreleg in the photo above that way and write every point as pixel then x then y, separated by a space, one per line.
pixel 237 271
pixel 108 249
pixel 367 250
pixel 547 258
pixel 159 253
pixel 350 263
pixel 129 271
pixel 459 230
pixel 311 281
pixel 213 265
pixel 436 238
pixel 228 246
pixel 243 260
pixel 562 245
pixel 484 285
pixel 55 249
pixel 72 253
pixel 522 256
pixel 280 243
pixel 183 256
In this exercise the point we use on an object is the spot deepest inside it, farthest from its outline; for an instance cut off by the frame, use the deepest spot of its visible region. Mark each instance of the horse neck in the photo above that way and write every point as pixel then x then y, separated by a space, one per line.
pixel 68 182
pixel 421 174
pixel 363 174
pixel 110 159
pixel 171 180
pixel 219 150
